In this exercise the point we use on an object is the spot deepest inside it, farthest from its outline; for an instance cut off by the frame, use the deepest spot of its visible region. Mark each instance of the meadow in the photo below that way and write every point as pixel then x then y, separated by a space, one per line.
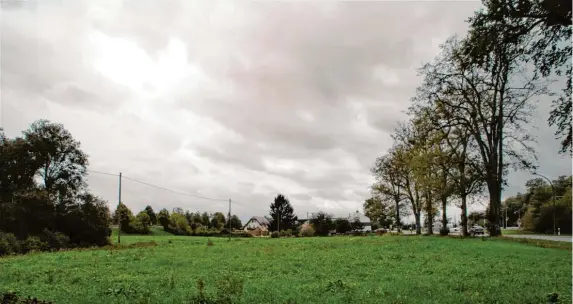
pixel 373 269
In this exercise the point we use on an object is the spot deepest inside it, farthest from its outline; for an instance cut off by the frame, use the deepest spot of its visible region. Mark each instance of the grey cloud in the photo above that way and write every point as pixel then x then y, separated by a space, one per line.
pixel 292 79
pixel 41 59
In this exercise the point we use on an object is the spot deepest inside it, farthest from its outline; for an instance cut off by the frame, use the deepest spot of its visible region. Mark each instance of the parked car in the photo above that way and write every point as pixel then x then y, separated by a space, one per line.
pixel 476 230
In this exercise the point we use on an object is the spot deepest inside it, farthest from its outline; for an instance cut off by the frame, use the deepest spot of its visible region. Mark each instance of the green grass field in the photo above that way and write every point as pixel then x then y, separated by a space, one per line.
pixel 376 269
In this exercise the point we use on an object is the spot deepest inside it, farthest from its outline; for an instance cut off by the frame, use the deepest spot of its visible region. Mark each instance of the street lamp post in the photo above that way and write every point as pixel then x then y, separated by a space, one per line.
pixel 553 191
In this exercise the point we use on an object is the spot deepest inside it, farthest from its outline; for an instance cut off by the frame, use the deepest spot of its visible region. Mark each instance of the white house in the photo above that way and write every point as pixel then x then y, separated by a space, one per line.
pixel 257 222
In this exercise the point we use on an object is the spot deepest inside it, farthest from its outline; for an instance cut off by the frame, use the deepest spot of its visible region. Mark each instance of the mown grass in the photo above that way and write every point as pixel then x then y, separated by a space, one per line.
pixel 377 269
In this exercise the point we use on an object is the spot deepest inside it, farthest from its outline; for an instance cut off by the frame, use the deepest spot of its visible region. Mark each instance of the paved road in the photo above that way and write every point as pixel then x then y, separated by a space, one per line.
pixel 559 238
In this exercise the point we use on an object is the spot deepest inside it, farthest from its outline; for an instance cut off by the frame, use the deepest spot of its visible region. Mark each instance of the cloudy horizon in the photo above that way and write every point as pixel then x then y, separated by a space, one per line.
pixel 231 100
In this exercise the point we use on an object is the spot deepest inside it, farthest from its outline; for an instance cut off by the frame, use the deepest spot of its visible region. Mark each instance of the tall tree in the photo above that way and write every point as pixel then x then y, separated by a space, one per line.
pixel 282 214
pixel 205 220
pixel 388 185
pixel 322 223
pixel 378 210
pixel 492 101
pixel 235 222
pixel 124 216
pixel 63 164
pixel 466 175
pixel 541 29
pixel 428 162
pixel 151 214
pixel 403 160
pixel 42 188
pixel 17 167
pixel 218 220
pixel 163 218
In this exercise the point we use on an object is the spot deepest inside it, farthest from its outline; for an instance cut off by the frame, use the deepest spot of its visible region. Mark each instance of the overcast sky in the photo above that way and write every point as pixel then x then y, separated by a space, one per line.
pixel 230 100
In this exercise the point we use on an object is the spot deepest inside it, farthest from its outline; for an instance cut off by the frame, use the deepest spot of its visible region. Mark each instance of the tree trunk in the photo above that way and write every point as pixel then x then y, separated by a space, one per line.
pixel 430 215
pixel 464 215
pixel 444 230
pixel 418 223
pixel 398 224
pixel 494 208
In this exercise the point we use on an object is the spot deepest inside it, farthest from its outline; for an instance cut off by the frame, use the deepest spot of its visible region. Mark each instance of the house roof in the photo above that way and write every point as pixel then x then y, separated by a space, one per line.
pixel 261 219
pixel 363 218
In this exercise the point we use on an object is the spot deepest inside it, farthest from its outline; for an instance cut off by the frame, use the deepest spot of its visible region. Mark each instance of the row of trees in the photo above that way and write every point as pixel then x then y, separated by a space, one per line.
pixel 187 223
pixel 44 199
pixel 470 116
pixel 177 222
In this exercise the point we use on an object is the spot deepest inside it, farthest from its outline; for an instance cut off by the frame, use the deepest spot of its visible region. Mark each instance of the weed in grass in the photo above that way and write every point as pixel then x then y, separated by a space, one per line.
pixel 172 281
pixel 336 286
pixel 229 291
pixel 13 298
pixel 553 298
pixel 210 243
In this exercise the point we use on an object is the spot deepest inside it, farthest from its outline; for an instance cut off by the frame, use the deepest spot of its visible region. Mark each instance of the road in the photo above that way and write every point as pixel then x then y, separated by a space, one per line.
pixel 558 238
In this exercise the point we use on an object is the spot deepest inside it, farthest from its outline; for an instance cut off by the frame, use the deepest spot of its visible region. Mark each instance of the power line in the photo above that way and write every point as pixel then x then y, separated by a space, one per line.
pixel 174 191
pixel 104 173
pixel 159 187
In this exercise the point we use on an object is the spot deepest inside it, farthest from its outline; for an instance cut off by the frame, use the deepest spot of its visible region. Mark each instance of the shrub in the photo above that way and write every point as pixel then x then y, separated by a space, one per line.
pixel 34 243
pixel 178 225
pixel 56 240
pixel 87 224
pixel 307 231
pixel 143 221
pixel 275 234
pixel 286 233
pixel 9 244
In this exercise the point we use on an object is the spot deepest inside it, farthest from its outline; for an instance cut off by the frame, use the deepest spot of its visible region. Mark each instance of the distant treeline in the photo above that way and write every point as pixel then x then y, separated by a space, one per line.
pixel 178 222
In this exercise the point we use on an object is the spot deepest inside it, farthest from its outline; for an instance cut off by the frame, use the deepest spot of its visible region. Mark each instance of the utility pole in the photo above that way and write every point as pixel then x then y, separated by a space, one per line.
pixel 229 219
pixel 117 213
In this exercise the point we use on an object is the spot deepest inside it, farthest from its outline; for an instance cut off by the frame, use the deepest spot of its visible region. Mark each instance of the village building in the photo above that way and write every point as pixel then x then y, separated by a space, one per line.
pixel 257 226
